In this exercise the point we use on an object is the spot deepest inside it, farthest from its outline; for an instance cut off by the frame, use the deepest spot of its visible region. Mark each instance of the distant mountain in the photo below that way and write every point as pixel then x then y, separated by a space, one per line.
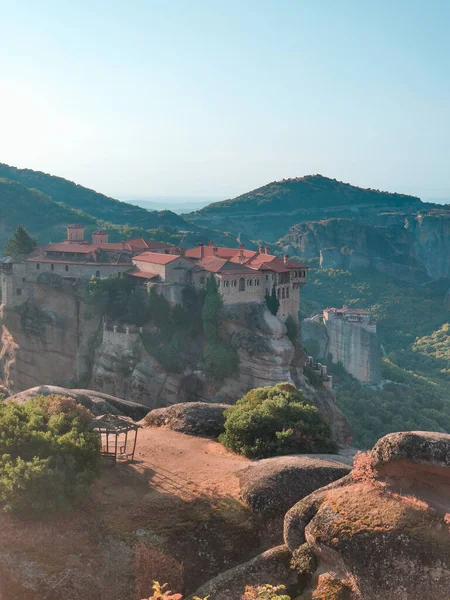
pixel 177 205
pixel 267 212
pixel 97 205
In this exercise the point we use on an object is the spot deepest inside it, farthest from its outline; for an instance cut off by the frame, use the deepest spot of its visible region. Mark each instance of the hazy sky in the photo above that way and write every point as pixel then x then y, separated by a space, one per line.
pixel 214 98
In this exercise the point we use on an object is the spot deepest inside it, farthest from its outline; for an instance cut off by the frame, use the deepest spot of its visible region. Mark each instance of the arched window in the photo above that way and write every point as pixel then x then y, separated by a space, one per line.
pixel 287 292
pixel 52 267
pixel 67 267
pixel 234 283
pixel 226 283
pixel 249 282
pixel 97 273
pixel 256 281
pixel 283 294
pixel 38 266
pixel 241 284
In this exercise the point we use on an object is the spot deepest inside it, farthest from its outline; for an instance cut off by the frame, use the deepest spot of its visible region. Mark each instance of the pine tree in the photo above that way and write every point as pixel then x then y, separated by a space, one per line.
pixel 20 243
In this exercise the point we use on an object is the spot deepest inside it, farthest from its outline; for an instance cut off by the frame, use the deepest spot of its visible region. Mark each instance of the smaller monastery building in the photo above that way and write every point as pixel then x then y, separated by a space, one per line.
pixel 242 275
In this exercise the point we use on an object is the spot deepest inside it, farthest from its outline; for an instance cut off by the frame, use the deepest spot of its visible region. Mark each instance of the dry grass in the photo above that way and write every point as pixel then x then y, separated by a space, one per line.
pixel 363 508
pixel 152 565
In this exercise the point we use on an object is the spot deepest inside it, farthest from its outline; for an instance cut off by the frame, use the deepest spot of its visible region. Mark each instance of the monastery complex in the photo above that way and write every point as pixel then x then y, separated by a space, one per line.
pixel 242 275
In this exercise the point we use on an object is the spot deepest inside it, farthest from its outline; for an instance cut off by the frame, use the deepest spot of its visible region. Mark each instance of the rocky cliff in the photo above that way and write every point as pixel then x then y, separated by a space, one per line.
pixel 55 339
pixel 414 247
pixel 355 345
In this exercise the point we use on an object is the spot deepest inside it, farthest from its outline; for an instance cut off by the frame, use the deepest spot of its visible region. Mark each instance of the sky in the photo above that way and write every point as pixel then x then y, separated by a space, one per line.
pixel 213 98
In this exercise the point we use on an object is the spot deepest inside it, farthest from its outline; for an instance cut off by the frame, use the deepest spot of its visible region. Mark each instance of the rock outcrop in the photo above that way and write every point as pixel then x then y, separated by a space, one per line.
pixel 389 538
pixel 355 345
pixel 270 487
pixel 96 402
pixel 203 419
pixel 271 567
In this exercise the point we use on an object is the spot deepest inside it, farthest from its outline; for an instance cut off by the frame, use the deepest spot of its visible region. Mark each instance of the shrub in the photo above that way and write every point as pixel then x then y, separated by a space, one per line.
pixel 49 454
pixel 220 360
pixel 273 421
pixel 265 592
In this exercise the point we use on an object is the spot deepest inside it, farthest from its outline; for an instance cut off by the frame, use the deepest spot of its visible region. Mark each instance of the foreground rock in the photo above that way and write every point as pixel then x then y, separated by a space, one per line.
pixel 96 402
pixel 270 487
pixel 386 539
pixel 271 567
pixel 202 419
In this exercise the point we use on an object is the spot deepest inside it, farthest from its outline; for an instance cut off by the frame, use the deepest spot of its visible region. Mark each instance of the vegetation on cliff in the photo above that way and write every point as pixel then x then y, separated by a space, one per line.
pixel 412 325
pixel 220 359
pixel 49 455
pixel 274 421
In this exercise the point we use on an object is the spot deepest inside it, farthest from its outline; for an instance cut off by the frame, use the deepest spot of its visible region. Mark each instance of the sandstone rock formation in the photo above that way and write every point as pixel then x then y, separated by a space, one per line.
pixel 353 344
pixel 271 567
pixel 55 337
pixel 96 402
pixel 270 487
pixel 411 246
pixel 204 419
pixel 389 538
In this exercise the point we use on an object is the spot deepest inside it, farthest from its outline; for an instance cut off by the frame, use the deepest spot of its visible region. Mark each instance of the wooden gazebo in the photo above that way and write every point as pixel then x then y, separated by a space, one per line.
pixel 117 440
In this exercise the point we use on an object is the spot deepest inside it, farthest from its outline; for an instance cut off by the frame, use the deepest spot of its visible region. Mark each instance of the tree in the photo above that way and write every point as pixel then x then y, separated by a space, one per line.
pixel 49 455
pixel 21 242
pixel 274 421
pixel 272 302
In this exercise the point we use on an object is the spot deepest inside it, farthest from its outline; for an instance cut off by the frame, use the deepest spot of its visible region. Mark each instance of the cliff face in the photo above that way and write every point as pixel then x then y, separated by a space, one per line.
pixel 414 247
pixel 353 344
pixel 53 339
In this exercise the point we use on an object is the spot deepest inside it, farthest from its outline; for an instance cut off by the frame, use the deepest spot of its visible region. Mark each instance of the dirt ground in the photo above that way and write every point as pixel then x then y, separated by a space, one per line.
pixel 180 495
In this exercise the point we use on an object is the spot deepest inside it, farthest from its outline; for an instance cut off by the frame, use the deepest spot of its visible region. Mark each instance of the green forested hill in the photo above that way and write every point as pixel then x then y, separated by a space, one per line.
pixel 97 205
pixel 309 192
pixel 38 213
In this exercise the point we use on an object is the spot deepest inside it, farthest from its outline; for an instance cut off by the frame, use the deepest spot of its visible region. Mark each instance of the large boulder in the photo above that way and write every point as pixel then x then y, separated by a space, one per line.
pixel 383 531
pixel 96 402
pixel 270 487
pixel 271 567
pixel 202 419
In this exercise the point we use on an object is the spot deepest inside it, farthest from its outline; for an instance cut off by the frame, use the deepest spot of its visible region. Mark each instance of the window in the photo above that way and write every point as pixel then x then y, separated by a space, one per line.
pixel 226 283
pixel 52 267
pixel 66 267
pixel 18 292
pixel 23 279
pixel 38 266
pixel 287 292
pixel 283 294
pixel 234 283
pixel 202 280
pixel 241 284
pixel 256 281
pixel 278 293
pixel 267 278
pixel 97 273
pixel 249 282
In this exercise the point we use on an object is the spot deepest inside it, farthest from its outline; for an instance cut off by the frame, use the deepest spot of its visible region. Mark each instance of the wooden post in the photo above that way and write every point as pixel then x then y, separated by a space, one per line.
pixel 134 445
pixel 115 452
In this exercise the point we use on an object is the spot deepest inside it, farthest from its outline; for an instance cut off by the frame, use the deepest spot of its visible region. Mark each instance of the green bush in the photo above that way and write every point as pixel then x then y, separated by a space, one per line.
pixel 49 454
pixel 220 360
pixel 273 421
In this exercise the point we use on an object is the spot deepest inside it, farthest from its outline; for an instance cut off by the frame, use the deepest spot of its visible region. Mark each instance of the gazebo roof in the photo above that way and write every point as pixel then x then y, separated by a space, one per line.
pixel 109 423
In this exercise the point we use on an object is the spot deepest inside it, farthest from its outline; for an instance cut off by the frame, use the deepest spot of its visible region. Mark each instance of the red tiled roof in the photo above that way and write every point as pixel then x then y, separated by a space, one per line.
pixel 222 265
pixel 75 226
pixel 68 261
pixel 70 248
pixel 100 232
pixel 142 274
pixel 156 258
pixel 211 251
